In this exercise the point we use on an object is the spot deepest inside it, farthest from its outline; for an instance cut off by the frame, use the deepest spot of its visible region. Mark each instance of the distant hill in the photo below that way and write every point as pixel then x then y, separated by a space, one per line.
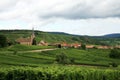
pixel 114 35
pixel 63 33
pixel 59 37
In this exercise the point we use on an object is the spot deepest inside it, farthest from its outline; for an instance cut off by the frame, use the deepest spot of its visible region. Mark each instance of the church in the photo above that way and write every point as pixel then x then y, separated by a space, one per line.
pixel 28 40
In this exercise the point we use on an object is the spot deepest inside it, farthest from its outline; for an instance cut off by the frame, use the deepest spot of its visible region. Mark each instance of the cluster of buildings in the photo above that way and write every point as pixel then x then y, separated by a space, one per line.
pixel 76 45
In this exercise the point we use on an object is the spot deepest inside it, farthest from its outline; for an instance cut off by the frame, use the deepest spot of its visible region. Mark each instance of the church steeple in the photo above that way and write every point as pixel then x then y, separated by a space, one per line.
pixel 33 34
pixel 32 29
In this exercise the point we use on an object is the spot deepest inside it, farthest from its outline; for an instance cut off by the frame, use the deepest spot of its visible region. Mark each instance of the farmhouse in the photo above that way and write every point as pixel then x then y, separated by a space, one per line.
pixel 104 47
pixel 90 46
pixel 43 43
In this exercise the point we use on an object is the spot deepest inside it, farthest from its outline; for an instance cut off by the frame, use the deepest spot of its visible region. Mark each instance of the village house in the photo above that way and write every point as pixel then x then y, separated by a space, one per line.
pixel 90 46
pixel 104 47
pixel 117 47
pixel 43 43
pixel 75 45
pixel 64 44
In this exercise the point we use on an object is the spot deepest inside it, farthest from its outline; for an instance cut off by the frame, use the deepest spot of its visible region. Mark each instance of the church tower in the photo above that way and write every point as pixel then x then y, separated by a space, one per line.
pixel 33 34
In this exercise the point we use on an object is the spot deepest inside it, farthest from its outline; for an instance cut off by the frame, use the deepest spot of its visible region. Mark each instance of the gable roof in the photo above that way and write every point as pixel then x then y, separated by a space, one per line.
pixel 23 40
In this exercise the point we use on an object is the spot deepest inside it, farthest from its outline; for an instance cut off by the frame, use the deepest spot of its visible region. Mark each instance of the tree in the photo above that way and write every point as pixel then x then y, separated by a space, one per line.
pixel 95 47
pixel 59 45
pixel 113 64
pixel 3 41
pixel 83 46
pixel 115 53
pixel 34 42
pixel 62 58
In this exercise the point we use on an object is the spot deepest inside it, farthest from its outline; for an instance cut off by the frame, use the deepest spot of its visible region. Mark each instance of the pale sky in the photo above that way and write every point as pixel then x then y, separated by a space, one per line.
pixel 82 17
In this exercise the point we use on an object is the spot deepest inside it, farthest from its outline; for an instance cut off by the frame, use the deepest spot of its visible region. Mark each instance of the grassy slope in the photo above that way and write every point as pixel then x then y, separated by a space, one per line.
pixel 86 56
pixel 13 35
pixel 54 37
pixel 8 57
pixel 51 38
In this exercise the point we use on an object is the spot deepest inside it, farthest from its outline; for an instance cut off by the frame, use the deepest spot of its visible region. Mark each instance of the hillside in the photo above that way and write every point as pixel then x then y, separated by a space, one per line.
pixel 115 35
pixel 56 37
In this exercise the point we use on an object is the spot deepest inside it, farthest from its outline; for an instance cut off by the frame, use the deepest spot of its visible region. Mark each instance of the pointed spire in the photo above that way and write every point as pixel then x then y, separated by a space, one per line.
pixel 32 30
pixel 33 35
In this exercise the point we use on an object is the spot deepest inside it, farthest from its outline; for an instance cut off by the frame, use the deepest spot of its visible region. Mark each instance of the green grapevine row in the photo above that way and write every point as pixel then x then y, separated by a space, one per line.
pixel 58 73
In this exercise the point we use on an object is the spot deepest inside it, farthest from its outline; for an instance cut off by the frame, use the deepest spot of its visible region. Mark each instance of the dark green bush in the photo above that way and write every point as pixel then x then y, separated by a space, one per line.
pixel 113 64
pixel 3 41
pixel 95 47
pixel 14 52
pixel 72 60
pixel 62 58
pixel 34 42
pixel 115 53
pixel 83 46
pixel 59 46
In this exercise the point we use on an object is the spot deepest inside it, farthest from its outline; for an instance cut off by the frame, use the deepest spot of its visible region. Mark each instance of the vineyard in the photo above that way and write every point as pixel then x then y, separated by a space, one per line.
pixel 90 64
pixel 58 73
pixel 89 57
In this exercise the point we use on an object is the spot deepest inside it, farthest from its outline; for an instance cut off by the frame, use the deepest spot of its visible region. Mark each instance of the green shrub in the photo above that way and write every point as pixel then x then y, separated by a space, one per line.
pixel 59 46
pixel 113 64
pixel 115 53
pixel 14 52
pixel 95 47
pixel 34 42
pixel 62 58
pixel 72 60
pixel 83 46
pixel 3 41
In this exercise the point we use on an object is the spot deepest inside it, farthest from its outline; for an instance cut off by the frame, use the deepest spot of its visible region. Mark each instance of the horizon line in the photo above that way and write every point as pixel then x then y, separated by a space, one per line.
pixel 63 32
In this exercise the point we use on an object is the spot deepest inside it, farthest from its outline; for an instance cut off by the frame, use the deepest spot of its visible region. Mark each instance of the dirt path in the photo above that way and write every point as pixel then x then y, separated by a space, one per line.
pixel 41 50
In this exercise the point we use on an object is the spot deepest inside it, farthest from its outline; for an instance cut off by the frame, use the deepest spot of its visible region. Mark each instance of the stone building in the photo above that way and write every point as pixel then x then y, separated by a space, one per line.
pixel 28 40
